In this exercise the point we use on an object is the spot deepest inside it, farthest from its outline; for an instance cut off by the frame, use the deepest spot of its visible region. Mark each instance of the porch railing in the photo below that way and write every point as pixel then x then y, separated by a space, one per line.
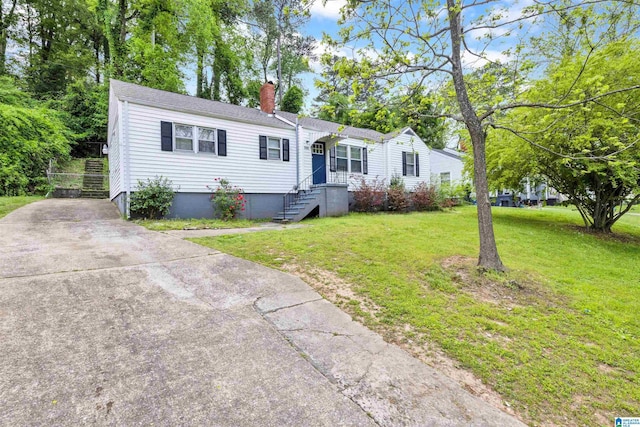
pixel 289 199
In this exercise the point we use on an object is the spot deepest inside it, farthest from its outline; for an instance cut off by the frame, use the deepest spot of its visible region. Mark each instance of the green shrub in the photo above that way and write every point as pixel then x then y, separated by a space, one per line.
pixel 30 135
pixel 227 200
pixel 397 199
pixel 153 198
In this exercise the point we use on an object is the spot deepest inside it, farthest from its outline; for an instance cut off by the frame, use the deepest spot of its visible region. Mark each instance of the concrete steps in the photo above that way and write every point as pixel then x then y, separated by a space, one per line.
pixel 305 203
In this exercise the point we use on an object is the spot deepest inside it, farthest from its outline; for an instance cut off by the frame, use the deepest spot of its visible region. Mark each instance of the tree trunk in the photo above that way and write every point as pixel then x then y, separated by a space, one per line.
pixel 279 70
pixel 3 52
pixel 199 72
pixel 489 258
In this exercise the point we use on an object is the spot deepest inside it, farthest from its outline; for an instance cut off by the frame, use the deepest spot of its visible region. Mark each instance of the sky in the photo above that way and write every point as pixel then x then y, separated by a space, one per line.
pixel 324 19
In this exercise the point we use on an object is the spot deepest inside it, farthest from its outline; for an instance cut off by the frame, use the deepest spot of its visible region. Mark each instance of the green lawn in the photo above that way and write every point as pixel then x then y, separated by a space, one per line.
pixel 195 224
pixel 8 204
pixel 558 337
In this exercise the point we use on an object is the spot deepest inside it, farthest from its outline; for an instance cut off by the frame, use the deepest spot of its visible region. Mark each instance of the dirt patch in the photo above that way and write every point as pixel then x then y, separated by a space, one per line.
pixel 508 290
pixel 344 294
pixel 331 286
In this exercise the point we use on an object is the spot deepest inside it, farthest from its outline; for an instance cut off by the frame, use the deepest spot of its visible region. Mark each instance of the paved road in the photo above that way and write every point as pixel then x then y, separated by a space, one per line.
pixel 104 322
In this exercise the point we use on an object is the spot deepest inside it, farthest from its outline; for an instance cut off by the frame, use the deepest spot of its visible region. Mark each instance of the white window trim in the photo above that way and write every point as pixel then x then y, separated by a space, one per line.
pixel 197 140
pixel 175 145
pixel 412 155
pixel 361 160
pixel 442 181
pixel 279 148
pixel 195 143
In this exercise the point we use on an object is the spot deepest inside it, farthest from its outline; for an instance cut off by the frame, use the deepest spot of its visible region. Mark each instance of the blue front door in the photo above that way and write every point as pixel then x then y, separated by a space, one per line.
pixel 318 163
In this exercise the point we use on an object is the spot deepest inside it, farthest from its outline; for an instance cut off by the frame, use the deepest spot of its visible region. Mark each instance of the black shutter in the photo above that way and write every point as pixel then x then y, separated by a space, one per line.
pixel 332 159
pixel 365 161
pixel 222 142
pixel 166 136
pixel 263 147
pixel 404 163
pixel 285 150
pixel 417 165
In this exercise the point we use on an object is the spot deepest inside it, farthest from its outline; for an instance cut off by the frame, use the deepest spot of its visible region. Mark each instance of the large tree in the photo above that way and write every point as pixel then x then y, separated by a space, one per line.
pixel 590 151
pixel 414 41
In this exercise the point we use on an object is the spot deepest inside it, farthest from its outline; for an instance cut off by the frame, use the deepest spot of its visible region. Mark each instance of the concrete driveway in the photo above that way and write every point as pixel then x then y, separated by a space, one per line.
pixel 104 322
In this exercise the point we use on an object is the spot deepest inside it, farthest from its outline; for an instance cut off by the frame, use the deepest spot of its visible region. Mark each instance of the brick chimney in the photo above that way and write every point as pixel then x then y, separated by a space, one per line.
pixel 268 98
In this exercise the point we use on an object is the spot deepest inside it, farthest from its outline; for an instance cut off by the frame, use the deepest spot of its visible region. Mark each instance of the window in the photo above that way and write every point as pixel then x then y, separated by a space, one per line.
pixel 411 164
pixel 356 160
pixel 345 158
pixel 273 148
pixel 445 178
pixel 317 148
pixel 206 140
pixel 342 158
pixel 184 137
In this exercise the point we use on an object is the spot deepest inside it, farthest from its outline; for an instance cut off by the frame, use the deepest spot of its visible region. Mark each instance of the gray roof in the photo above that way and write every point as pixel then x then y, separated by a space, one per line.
pixel 190 104
pixel 335 128
pixel 449 154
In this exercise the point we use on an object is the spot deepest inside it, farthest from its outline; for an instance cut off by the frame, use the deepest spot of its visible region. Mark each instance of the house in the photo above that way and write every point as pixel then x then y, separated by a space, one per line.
pixel 288 166
pixel 447 167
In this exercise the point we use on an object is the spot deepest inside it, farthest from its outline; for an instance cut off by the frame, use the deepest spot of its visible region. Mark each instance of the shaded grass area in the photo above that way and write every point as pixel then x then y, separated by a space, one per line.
pixel 8 204
pixel 558 336
pixel 72 166
pixel 196 224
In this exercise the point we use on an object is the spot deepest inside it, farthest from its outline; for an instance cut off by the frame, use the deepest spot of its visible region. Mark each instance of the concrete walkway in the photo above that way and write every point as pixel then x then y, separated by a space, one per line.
pixel 104 322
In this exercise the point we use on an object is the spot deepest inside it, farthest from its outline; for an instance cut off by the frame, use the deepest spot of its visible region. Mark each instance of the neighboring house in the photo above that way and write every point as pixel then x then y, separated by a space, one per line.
pixel 268 153
pixel 531 194
pixel 447 167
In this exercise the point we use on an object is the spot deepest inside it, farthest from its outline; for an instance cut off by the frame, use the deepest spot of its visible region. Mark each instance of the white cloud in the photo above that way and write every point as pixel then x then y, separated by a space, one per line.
pixel 473 61
pixel 329 10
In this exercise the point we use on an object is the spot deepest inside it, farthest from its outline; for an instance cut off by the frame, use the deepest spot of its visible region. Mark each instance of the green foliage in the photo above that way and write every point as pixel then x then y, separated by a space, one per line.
pixel 588 151
pixel 227 200
pixel 374 109
pixel 87 106
pixel 293 100
pixel 30 137
pixel 397 182
pixel 152 198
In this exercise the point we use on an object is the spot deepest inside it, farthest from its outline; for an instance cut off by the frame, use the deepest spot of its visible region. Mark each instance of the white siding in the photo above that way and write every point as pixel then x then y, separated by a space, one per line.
pixel 408 143
pixel 442 163
pixel 115 147
pixel 192 172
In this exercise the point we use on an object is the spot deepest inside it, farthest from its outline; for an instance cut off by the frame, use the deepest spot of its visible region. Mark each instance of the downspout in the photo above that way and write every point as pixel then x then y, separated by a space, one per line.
pixel 125 164
pixel 297 151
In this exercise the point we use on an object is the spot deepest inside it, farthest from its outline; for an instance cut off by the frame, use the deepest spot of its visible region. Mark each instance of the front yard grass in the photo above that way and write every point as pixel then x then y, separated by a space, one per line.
pixel 558 336
pixel 195 224
pixel 8 204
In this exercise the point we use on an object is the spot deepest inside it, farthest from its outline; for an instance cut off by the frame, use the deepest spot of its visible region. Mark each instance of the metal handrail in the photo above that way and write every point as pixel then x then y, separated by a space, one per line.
pixel 292 196
pixel 338 177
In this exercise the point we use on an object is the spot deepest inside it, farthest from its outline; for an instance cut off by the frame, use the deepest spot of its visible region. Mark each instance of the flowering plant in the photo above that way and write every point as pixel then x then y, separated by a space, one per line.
pixel 227 200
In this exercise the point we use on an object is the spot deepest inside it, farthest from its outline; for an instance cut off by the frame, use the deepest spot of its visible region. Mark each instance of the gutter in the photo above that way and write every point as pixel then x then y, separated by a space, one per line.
pixel 297 150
